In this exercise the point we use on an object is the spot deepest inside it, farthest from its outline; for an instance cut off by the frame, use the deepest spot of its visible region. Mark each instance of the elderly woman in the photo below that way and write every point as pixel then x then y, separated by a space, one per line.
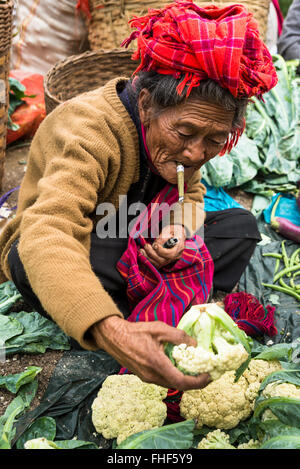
pixel 185 104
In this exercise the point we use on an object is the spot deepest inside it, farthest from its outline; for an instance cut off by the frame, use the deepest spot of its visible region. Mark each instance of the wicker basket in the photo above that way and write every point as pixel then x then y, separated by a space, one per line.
pixel 259 9
pixel 6 9
pixel 108 25
pixel 85 72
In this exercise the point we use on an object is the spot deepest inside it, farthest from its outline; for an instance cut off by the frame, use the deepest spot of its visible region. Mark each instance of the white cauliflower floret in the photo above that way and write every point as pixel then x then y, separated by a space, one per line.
pixel 194 359
pixel 126 405
pixel 221 345
pixel 223 403
pixel 256 372
pixel 220 440
pixel 252 444
pixel 215 440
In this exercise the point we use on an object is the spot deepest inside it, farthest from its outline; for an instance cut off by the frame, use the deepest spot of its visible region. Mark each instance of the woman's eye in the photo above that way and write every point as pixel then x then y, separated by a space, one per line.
pixel 183 135
pixel 215 142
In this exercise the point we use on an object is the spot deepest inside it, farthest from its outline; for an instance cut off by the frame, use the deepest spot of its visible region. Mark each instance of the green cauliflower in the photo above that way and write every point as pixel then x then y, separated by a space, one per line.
pixel 126 405
pixel 221 345
pixel 220 440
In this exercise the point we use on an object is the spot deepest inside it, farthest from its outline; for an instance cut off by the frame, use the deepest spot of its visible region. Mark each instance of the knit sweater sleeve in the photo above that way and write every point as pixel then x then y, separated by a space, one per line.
pixel 55 229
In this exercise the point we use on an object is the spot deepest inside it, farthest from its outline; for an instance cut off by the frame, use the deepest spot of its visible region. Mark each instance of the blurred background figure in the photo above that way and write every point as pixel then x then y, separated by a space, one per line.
pixel 289 40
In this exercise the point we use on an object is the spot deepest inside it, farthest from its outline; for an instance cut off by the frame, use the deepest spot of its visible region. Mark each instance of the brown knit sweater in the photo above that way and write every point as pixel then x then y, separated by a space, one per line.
pixel 84 153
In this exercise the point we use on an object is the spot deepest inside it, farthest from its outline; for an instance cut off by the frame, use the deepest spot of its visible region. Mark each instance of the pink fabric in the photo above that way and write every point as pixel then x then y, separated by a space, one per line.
pixel 164 294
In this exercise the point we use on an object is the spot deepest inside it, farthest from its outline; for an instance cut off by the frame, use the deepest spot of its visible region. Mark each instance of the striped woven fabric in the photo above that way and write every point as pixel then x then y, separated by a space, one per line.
pixel 220 43
pixel 164 294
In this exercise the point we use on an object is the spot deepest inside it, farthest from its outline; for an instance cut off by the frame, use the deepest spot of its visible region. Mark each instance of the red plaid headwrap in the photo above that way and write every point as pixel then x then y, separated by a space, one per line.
pixel 220 43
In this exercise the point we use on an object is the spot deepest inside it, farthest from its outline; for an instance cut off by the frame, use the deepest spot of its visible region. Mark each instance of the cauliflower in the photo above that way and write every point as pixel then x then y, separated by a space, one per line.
pixel 223 403
pixel 221 345
pixel 215 440
pixel 256 372
pixel 126 405
pixel 220 440
pixel 279 390
pixel 39 443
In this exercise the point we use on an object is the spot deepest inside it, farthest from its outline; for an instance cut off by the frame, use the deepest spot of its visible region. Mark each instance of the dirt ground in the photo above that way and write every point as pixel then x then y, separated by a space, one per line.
pixel 15 167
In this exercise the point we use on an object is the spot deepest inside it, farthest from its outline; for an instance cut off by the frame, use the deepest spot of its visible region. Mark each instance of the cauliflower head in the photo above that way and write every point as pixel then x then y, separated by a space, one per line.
pixel 223 403
pixel 126 405
pixel 279 390
pixel 256 372
pixel 215 440
pixel 220 440
pixel 221 345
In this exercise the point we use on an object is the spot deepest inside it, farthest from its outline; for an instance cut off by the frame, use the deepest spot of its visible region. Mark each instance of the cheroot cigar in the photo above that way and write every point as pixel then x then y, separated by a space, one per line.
pixel 180 182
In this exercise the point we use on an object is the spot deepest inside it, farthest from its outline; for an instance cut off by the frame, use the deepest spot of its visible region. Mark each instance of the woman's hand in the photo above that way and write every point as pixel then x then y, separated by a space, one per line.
pixel 160 256
pixel 139 347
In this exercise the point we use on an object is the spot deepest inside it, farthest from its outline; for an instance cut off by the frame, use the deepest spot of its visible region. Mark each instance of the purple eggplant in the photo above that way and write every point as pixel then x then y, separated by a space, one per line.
pixel 286 228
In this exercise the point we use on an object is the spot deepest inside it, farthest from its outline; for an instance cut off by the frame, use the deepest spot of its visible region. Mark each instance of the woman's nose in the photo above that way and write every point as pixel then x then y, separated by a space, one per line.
pixel 195 152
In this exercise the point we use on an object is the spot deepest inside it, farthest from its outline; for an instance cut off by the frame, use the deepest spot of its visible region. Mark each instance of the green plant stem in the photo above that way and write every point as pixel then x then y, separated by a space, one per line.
pixel 273 254
pixel 283 290
pixel 285 257
pixel 293 258
pixel 286 271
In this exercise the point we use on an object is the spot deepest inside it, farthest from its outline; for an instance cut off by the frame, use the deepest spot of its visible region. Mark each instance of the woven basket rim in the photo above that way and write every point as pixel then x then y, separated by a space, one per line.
pixel 75 59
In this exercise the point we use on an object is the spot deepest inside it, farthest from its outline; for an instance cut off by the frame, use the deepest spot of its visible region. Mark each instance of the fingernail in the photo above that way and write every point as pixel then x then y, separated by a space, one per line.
pixel 154 246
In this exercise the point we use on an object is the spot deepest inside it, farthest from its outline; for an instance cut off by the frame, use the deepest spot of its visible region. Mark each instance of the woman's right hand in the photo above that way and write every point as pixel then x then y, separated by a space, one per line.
pixel 139 347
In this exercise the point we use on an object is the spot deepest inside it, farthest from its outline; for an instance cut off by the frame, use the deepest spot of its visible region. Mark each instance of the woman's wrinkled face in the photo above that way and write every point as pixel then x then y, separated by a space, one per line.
pixel 191 133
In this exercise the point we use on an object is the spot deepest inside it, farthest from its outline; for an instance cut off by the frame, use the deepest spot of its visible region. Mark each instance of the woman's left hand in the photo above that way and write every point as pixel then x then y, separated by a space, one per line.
pixel 160 256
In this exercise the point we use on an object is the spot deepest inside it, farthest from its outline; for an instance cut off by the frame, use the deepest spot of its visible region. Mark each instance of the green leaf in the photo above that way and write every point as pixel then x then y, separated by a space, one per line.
pixel 9 328
pixel 75 444
pixel 13 410
pixel 39 334
pixel 286 409
pixel 7 432
pixel 274 352
pixel 9 295
pixel 13 382
pixel 283 376
pixel 42 427
pixel 282 442
pixel 174 436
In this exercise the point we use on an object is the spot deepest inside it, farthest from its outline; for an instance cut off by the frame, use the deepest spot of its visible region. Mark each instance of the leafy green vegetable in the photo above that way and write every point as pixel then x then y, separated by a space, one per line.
pixel 282 442
pixel 9 295
pixel 43 443
pixel 173 436
pixel 42 427
pixel 39 333
pixel 9 328
pixel 281 351
pixel 13 382
pixel 13 410
pixel 16 96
